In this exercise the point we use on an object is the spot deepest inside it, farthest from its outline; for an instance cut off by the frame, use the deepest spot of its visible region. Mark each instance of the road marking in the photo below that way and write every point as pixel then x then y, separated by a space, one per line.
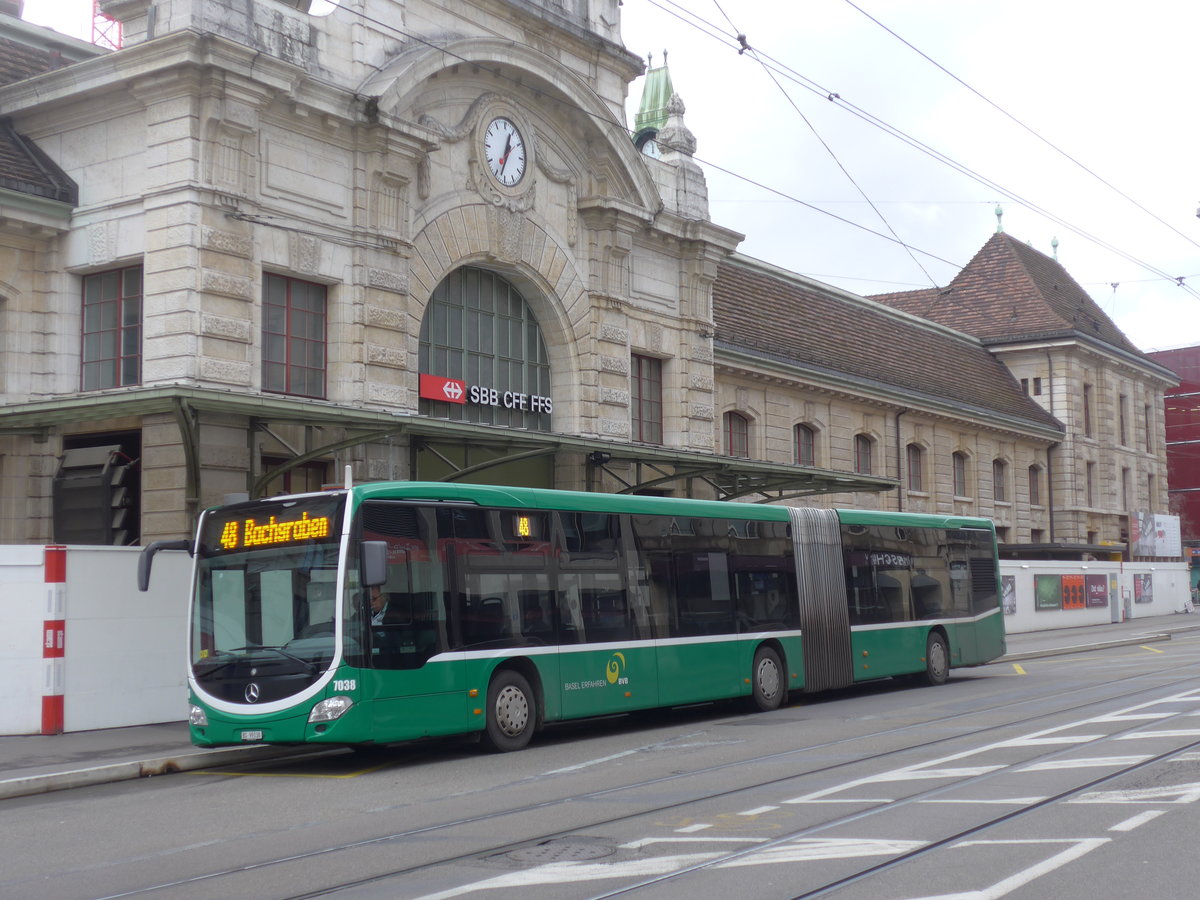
pixel 758 811
pixel 1139 819
pixel 1052 741
pixel 1088 763
pixel 569 872
pixel 690 829
pixel 816 849
pixel 1022 878
pixel 646 842
pixel 1018 668
pixel 1012 801
pixel 591 762
pixel 1138 735
pixel 925 774
pixel 1152 649
pixel 842 800
pixel 1183 793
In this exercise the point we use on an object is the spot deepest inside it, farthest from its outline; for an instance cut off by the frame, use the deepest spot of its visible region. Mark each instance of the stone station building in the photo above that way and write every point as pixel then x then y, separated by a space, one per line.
pixel 253 247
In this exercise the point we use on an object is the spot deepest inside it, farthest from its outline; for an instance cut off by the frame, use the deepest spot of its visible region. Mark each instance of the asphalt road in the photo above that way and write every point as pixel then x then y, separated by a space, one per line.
pixel 1072 777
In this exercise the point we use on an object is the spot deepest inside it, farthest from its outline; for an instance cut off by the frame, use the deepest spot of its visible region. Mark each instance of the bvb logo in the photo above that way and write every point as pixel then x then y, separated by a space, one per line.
pixel 615 665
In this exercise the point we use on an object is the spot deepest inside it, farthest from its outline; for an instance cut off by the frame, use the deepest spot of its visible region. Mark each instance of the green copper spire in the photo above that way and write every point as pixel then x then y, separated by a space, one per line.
pixel 655 93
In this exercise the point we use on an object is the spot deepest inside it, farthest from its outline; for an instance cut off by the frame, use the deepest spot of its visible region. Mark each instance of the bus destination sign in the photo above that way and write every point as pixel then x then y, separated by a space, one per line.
pixel 267 523
pixel 252 533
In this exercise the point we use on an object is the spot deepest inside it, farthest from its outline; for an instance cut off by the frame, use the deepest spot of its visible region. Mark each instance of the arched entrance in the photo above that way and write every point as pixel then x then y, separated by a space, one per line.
pixel 483 361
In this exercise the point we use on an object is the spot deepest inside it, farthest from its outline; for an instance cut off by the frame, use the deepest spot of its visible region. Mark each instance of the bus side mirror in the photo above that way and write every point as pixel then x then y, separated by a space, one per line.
pixel 372 563
pixel 146 558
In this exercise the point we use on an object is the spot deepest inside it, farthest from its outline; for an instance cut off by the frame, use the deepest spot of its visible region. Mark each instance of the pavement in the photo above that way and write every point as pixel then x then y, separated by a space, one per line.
pixel 38 764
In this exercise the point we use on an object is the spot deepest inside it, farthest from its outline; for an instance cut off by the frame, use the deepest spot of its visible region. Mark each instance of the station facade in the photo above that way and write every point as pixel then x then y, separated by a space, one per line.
pixel 254 247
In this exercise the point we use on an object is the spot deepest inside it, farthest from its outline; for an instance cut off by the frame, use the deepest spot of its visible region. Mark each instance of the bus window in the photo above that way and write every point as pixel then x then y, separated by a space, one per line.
pixel 590 536
pixel 594 597
pixel 503 559
pixel 410 626
pixel 879 574
pixel 705 605
pixel 599 607
pixel 764 577
pixel 982 564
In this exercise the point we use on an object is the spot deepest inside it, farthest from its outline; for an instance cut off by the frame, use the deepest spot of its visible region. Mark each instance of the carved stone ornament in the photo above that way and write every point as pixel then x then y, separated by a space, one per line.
pixel 565 177
pixel 515 199
pixel 675 135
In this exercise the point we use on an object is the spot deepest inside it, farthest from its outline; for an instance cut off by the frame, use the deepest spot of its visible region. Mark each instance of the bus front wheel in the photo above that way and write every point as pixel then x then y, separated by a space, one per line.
pixel 511 712
pixel 937 659
pixel 767 681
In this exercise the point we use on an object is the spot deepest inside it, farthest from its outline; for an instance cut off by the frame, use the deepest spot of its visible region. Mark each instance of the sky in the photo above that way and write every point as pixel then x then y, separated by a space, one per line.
pixel 1079 116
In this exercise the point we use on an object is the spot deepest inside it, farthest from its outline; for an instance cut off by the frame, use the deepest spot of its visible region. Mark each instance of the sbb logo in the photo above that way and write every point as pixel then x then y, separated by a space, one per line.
pixel 448 390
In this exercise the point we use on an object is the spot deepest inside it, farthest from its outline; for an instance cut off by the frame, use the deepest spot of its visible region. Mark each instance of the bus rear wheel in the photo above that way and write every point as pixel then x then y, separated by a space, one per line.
pixel 511 712
pixel 937 660
pixel 767 686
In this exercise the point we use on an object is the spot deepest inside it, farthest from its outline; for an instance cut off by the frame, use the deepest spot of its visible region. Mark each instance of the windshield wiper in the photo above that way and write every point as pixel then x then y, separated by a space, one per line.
pixel 309 664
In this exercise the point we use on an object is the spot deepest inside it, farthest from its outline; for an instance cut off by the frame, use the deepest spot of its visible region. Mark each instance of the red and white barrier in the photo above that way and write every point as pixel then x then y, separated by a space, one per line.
pixel 54 638
pixel 125 663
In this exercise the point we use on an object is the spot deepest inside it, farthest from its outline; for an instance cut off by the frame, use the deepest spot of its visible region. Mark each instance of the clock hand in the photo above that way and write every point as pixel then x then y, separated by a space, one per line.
pixel 507 151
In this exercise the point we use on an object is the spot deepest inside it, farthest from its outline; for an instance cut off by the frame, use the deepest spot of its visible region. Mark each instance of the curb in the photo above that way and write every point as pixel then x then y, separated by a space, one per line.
pixel 45 783
pixel 1085 648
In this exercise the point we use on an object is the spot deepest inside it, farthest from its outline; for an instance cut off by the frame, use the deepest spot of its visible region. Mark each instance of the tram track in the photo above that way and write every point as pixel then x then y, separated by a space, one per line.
pixel 932 846
pixel 1113 691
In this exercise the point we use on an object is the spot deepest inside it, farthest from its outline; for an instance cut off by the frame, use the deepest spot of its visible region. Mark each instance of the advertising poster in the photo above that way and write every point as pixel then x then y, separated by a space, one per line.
pixel 1008 594
pixel 1072 592
pixel 1097 590
pixel 1143 588
pixel 1155 535
pixel 1047 592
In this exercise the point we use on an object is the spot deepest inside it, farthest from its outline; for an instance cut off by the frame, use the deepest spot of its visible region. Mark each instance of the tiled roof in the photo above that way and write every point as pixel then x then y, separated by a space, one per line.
pixel 20 60
pixel 23 167
pixel 763 311
pixel 1011 292
pixel 26 169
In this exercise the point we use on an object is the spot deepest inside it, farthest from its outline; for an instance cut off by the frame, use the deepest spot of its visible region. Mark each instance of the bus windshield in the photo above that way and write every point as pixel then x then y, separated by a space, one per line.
pixel 266 597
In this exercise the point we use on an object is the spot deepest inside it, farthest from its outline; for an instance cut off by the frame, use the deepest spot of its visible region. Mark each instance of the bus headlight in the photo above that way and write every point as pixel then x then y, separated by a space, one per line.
pixel 197 716
pixel 330 709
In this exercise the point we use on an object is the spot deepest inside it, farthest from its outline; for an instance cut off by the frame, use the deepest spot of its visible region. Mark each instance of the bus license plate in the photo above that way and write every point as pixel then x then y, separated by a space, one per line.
pixel 251 735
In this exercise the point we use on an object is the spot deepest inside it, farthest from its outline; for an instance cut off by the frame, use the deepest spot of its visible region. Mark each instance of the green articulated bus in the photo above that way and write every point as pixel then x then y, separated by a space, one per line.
pixel 386 612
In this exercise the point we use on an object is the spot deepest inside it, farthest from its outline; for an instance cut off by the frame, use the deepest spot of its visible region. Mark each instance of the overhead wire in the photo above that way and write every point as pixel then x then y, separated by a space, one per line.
pixel 716 33
pixel 814 87
pixel 746 48
pixel 610 121
pixel 1021 124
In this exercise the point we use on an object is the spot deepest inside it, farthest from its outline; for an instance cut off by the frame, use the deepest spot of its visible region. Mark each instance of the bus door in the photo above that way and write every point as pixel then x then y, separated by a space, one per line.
pixel 684 564
pixel 503 607
pixel 962 639
pixel 607 659
pixel 821 581
pixel 404 637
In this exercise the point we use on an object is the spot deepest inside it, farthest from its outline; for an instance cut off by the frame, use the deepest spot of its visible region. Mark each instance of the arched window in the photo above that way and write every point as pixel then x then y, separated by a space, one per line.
pixel 478 331
pixel 999 481
pixel 806 446
pixel 960 474
pixel 737 435
pixel 916 467
pixel 862 454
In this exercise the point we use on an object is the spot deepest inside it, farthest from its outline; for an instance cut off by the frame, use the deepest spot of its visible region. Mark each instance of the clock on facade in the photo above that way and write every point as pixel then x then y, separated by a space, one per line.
pixel 646 142
pixel 504 149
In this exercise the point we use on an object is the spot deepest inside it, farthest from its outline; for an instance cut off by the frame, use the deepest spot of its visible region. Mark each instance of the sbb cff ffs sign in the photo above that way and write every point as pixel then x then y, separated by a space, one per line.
pixel 451 390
